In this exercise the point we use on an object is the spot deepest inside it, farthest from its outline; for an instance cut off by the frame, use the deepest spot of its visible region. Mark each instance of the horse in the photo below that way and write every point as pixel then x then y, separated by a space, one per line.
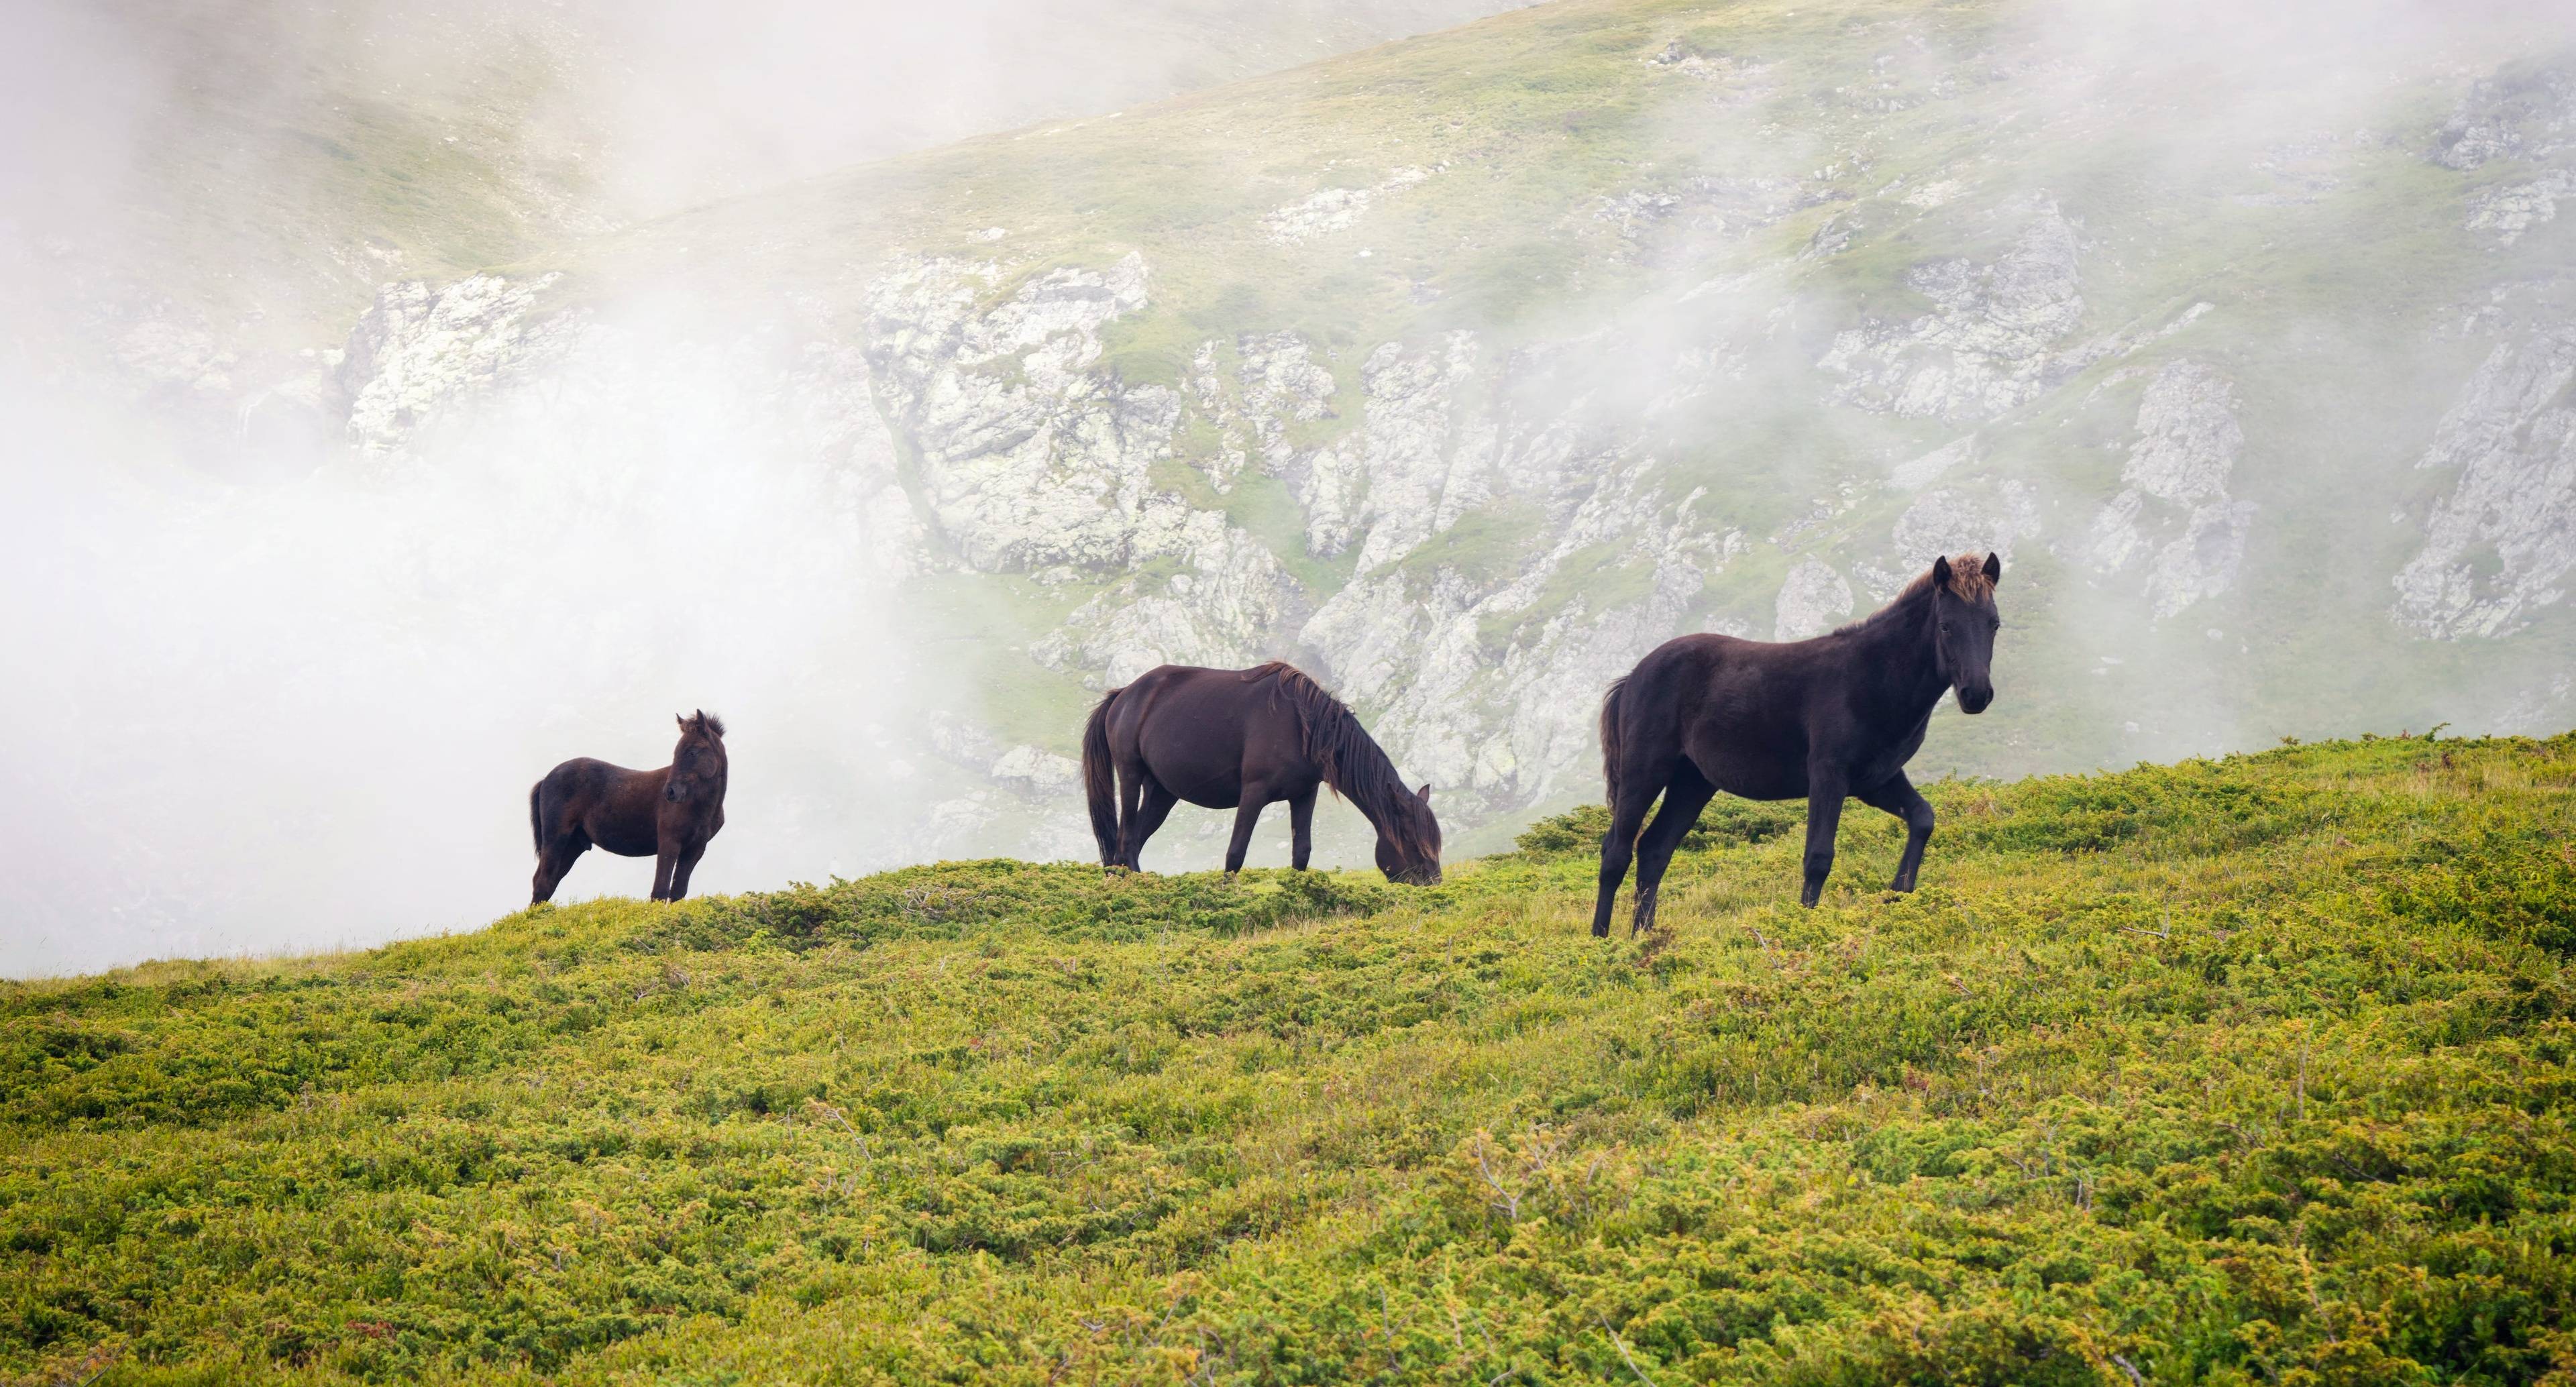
pixel 1242 739
pixel 667 814
pixel 1822 719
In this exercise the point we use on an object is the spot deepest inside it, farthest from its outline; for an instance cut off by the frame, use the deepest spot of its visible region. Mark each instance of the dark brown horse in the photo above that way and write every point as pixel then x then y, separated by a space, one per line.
pixel 1820 719
pixel 1242 739
pixel 667 814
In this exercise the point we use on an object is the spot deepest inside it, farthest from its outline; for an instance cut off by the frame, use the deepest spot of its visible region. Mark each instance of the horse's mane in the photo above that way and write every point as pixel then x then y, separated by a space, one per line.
pixel 1354 764
pixel 709 723
pixel 1968 583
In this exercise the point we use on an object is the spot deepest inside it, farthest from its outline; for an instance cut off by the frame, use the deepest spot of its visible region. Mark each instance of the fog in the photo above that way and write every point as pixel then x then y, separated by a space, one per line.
pixel 267 694
pixel 306 712
pixel 271 692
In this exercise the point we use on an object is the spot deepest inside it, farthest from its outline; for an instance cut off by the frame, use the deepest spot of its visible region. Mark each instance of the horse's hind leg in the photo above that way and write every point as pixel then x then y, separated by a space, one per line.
pixel 1688 794
pixel 1898 796
pixel 1627 815
pixel 554 862
pixel 1153 805
pixel 1131 805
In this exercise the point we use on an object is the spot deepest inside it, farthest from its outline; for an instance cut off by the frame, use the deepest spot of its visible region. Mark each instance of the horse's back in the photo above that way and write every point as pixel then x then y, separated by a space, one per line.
pixel 583 771
pixel 1198 730
pixel 611 805
pixel 1737 709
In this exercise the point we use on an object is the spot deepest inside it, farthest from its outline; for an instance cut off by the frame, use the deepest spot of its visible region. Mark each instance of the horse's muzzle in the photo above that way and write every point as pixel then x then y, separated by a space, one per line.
pixel 1974 700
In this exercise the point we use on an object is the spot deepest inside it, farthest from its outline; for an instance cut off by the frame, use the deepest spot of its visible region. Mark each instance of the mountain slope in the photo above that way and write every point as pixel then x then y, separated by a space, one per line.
pixel 1468 368
pixel 1461 370
pixel 2220 1072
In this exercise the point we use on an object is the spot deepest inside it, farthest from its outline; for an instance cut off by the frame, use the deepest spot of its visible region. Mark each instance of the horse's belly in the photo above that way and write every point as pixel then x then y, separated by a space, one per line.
pixel 1211 799
pixel 1760 782
pixel 628 843
pixel 1768 773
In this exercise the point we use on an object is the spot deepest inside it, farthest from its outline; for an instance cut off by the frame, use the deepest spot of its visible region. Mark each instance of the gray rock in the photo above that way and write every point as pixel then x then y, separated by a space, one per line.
pixel 1334 209
pixel 2498 547
pixel 2175 512
pixel 2510 116
pixel 2512 209
pixel 1986 346
pixel 421 347
pixel 1813 601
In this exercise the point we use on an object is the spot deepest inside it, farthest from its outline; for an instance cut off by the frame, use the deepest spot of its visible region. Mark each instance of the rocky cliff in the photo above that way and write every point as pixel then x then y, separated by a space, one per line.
pixel 1733 326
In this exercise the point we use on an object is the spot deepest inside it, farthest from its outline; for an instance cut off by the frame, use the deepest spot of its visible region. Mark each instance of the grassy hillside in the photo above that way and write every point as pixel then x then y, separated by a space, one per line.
pixel 2231 1071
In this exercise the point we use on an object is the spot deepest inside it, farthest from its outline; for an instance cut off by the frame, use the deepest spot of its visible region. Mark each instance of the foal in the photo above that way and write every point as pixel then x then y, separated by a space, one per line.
pixel 667 814
pixel 1820 719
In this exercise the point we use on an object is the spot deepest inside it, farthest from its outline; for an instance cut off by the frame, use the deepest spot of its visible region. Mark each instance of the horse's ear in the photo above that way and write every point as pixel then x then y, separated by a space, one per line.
pixel 1994 567
pixel 1941 571
pixel 1424 794
pixel 682 719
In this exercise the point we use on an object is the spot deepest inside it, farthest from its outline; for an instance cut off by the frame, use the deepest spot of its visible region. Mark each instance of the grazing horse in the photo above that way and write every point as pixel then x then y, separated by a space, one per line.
pixel 1241 739
pixel 667 814
pixel 1825 718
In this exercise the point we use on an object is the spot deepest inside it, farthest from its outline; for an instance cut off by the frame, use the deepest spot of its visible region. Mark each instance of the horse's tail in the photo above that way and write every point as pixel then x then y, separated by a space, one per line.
pixel 1100 780
pixel 1610 757
pixel 536 820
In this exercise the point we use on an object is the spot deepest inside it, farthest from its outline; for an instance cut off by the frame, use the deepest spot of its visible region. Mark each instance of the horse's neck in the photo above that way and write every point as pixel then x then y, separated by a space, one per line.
pixel 1899 668
pixel 1362 771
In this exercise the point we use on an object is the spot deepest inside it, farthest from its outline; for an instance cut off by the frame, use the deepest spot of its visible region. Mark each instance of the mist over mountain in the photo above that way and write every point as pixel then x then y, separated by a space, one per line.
pixel 401 403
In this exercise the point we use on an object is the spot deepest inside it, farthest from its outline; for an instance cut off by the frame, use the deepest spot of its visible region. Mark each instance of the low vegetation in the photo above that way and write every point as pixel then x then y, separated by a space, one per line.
pixel 2225 1072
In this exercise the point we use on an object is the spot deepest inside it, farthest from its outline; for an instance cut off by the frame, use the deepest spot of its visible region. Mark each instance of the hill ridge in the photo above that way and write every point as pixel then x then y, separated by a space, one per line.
pixel 2226 1069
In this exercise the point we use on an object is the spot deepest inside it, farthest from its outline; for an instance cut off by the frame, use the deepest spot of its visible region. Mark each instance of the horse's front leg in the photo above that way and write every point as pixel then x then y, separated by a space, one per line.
pixel 680 873
pixel 1824 816
pixel 1301 827
pixel 664 864
pixel 1899 797
pixel 1247 813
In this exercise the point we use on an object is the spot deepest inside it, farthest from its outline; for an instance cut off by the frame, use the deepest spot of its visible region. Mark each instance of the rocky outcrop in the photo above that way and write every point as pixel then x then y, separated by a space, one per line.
pixel 1031 461
pixel 1813 600
pixel 421 347
pixel 2511 209
pixel 2512 115
pixel 2499 546
pixel 1226 608
pixel 1986 346
pixel 2174 512
pixel 1026 457
pixel 1334 209
pixel 1276 383
pixel 1950 521
pixel 1417 465
pixel 1481 682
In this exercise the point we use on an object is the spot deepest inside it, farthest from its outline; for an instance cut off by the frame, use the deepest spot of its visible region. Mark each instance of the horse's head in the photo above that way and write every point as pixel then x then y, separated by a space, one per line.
pixel 698 763
pixel 1408 839
pixel 1964 622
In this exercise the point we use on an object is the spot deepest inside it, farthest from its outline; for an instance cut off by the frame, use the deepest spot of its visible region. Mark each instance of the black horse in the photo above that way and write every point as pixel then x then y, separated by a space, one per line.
pixel 1825 718
pixel 667 814
pixel 1242 739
